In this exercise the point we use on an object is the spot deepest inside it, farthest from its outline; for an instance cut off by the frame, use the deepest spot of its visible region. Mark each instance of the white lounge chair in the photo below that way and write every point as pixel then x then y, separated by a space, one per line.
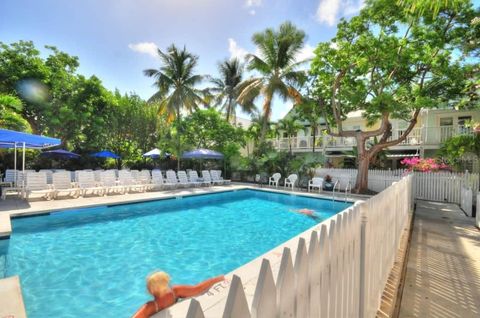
pixel 216 176
pixel 144 177
pixel 158 182
pixel 62 184
pixel 183 179
pixel 207 177
pixel 290 181
pixel 172 178
pixel 126 179
pixel 86 182
pixel 193 177
pixel 36 183
pixel 49 174
pixel 273 180
pixel 109 181
pixel 315 183
pixel 13 180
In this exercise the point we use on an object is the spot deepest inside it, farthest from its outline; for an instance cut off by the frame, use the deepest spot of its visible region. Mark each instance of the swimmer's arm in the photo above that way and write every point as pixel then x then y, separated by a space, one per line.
pixel 184 291
pixel 145 311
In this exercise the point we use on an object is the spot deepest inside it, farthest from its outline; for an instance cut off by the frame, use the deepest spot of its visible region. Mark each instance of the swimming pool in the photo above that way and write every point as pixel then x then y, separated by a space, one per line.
pixel 93 262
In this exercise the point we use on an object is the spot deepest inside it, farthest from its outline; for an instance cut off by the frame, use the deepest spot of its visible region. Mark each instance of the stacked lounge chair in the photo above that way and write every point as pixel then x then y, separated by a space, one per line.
pixel 36 183
pixel 62 184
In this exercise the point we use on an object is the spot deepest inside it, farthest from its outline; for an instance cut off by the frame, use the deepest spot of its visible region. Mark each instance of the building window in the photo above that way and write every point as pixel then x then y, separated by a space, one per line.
pixel 446 121
pixel 462 120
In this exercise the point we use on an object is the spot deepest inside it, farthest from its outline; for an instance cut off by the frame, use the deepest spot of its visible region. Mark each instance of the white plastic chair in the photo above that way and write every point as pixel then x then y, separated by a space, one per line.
pixel 273 180
pixel 290 181
pixel 315 183
pixel 36 183
pixel 183 179
pixel 207 177
pixel 126 179
pixel 109 181
pixel 216 177
pixel 86 182
pixel 172 178
pixel 193 177
pixel 62 184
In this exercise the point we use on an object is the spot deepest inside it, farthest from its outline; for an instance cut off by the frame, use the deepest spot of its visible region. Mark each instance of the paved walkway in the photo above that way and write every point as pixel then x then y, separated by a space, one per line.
pixel 443 271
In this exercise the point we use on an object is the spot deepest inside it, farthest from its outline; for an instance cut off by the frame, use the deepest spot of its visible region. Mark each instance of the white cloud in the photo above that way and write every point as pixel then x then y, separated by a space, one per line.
pixel 253 3
pixel 252 12
pixel 149 48
pixel 329 11
pixel 235 50
pixel 306 53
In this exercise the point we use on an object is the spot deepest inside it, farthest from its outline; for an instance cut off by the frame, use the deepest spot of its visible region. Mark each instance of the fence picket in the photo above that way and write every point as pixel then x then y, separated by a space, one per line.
pixel 314 274
pixel 236 306
pixel 285 286
pixel 195 309
pixel 301 283
pixel 265 298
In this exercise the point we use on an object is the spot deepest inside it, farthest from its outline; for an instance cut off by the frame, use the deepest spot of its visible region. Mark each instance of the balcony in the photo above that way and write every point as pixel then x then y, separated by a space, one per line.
pixel 422 136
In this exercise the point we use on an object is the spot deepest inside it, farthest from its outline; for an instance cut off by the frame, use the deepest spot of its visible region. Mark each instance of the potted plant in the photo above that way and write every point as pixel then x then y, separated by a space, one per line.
pixel 328 183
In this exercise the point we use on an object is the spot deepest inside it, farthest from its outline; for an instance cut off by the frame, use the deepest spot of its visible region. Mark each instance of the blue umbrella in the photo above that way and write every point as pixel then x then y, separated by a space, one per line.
pixel 105 154
pixel 202 154
pixel 60 153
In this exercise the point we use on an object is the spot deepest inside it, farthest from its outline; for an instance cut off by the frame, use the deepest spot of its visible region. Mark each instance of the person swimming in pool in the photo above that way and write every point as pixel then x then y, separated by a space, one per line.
pixel 307 212
pixel 158 285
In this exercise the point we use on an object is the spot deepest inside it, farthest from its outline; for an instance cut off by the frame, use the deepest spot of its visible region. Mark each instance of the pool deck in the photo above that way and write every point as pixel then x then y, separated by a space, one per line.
pixel 443 270
pixel 11 301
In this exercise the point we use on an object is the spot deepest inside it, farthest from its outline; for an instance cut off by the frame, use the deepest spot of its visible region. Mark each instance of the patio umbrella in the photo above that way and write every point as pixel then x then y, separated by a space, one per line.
pixel 15 139
pixel 60 153
pixel 105 154
pixel 154 153
pixel 202 154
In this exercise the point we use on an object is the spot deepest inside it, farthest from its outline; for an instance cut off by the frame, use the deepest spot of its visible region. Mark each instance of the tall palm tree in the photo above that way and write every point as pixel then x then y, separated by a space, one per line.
pixel 277 68
pixel 225 88
pixel 176 81
pixel 311 111
pixel 290 126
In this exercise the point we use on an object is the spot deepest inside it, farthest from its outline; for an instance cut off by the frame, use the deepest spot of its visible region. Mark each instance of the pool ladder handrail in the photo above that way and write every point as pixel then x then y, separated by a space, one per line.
pixel 333 191
pixel 348 189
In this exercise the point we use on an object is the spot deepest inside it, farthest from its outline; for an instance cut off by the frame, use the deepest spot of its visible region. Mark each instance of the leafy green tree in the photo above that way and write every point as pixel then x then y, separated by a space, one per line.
pixel 226 88
pixel 277 69
pixel 457 147
pixel 10 113
pixel 177 86
pixel 390 63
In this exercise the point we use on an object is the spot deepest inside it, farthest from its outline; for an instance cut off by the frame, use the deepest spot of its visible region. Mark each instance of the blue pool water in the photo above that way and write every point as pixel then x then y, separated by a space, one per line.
pixel 93 262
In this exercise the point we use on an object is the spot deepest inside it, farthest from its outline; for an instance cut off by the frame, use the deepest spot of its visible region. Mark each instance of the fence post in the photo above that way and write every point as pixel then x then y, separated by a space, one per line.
pixel 362 276
pixel 477 218
pixel 236 305
pixel 195 310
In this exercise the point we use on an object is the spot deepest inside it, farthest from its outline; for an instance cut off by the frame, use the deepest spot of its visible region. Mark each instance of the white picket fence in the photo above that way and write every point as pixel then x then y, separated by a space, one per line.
pixel 433 186
pixel 466 201
pixel 341 272
pixel 477 218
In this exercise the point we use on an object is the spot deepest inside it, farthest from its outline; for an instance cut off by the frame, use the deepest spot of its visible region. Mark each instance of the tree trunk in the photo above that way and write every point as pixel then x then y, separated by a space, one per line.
pixel 178 139
pixel 361 184
pixel 313 147
pixel 267 104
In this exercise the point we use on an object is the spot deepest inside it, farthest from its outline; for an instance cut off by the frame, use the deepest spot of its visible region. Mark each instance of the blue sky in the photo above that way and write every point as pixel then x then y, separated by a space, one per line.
pixel 116 39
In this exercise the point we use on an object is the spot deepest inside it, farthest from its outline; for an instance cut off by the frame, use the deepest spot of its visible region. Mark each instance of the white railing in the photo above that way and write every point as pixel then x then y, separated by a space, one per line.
pixel 433 186
pixel 418 136
pixel 339 268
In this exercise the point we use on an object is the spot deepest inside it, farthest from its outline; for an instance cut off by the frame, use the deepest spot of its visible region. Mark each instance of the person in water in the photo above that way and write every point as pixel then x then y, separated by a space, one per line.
pixel 307 212
pixel 158 285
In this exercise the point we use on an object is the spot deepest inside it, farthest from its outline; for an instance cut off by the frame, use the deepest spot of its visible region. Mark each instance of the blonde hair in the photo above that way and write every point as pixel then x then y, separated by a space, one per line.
pixel 158 283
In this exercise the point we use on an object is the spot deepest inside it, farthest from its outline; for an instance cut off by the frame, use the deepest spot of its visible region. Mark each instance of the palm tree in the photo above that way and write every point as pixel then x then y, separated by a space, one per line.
pixel 176 81
pixel 226 88
pixel 290 126
pixel 277 68
pixel 311 111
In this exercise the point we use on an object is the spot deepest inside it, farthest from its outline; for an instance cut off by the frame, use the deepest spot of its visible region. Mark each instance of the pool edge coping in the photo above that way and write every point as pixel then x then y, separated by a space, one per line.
pixel 16 296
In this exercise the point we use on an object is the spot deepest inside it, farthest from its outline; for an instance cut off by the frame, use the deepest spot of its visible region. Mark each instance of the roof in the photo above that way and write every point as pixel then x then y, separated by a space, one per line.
pixel 10 138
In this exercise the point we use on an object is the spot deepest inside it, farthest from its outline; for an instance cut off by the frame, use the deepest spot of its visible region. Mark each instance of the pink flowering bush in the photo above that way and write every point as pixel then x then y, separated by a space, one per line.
pixel 424 165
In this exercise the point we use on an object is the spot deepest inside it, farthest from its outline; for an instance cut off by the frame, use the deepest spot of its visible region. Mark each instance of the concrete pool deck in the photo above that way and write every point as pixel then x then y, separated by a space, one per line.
pixel 11 301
